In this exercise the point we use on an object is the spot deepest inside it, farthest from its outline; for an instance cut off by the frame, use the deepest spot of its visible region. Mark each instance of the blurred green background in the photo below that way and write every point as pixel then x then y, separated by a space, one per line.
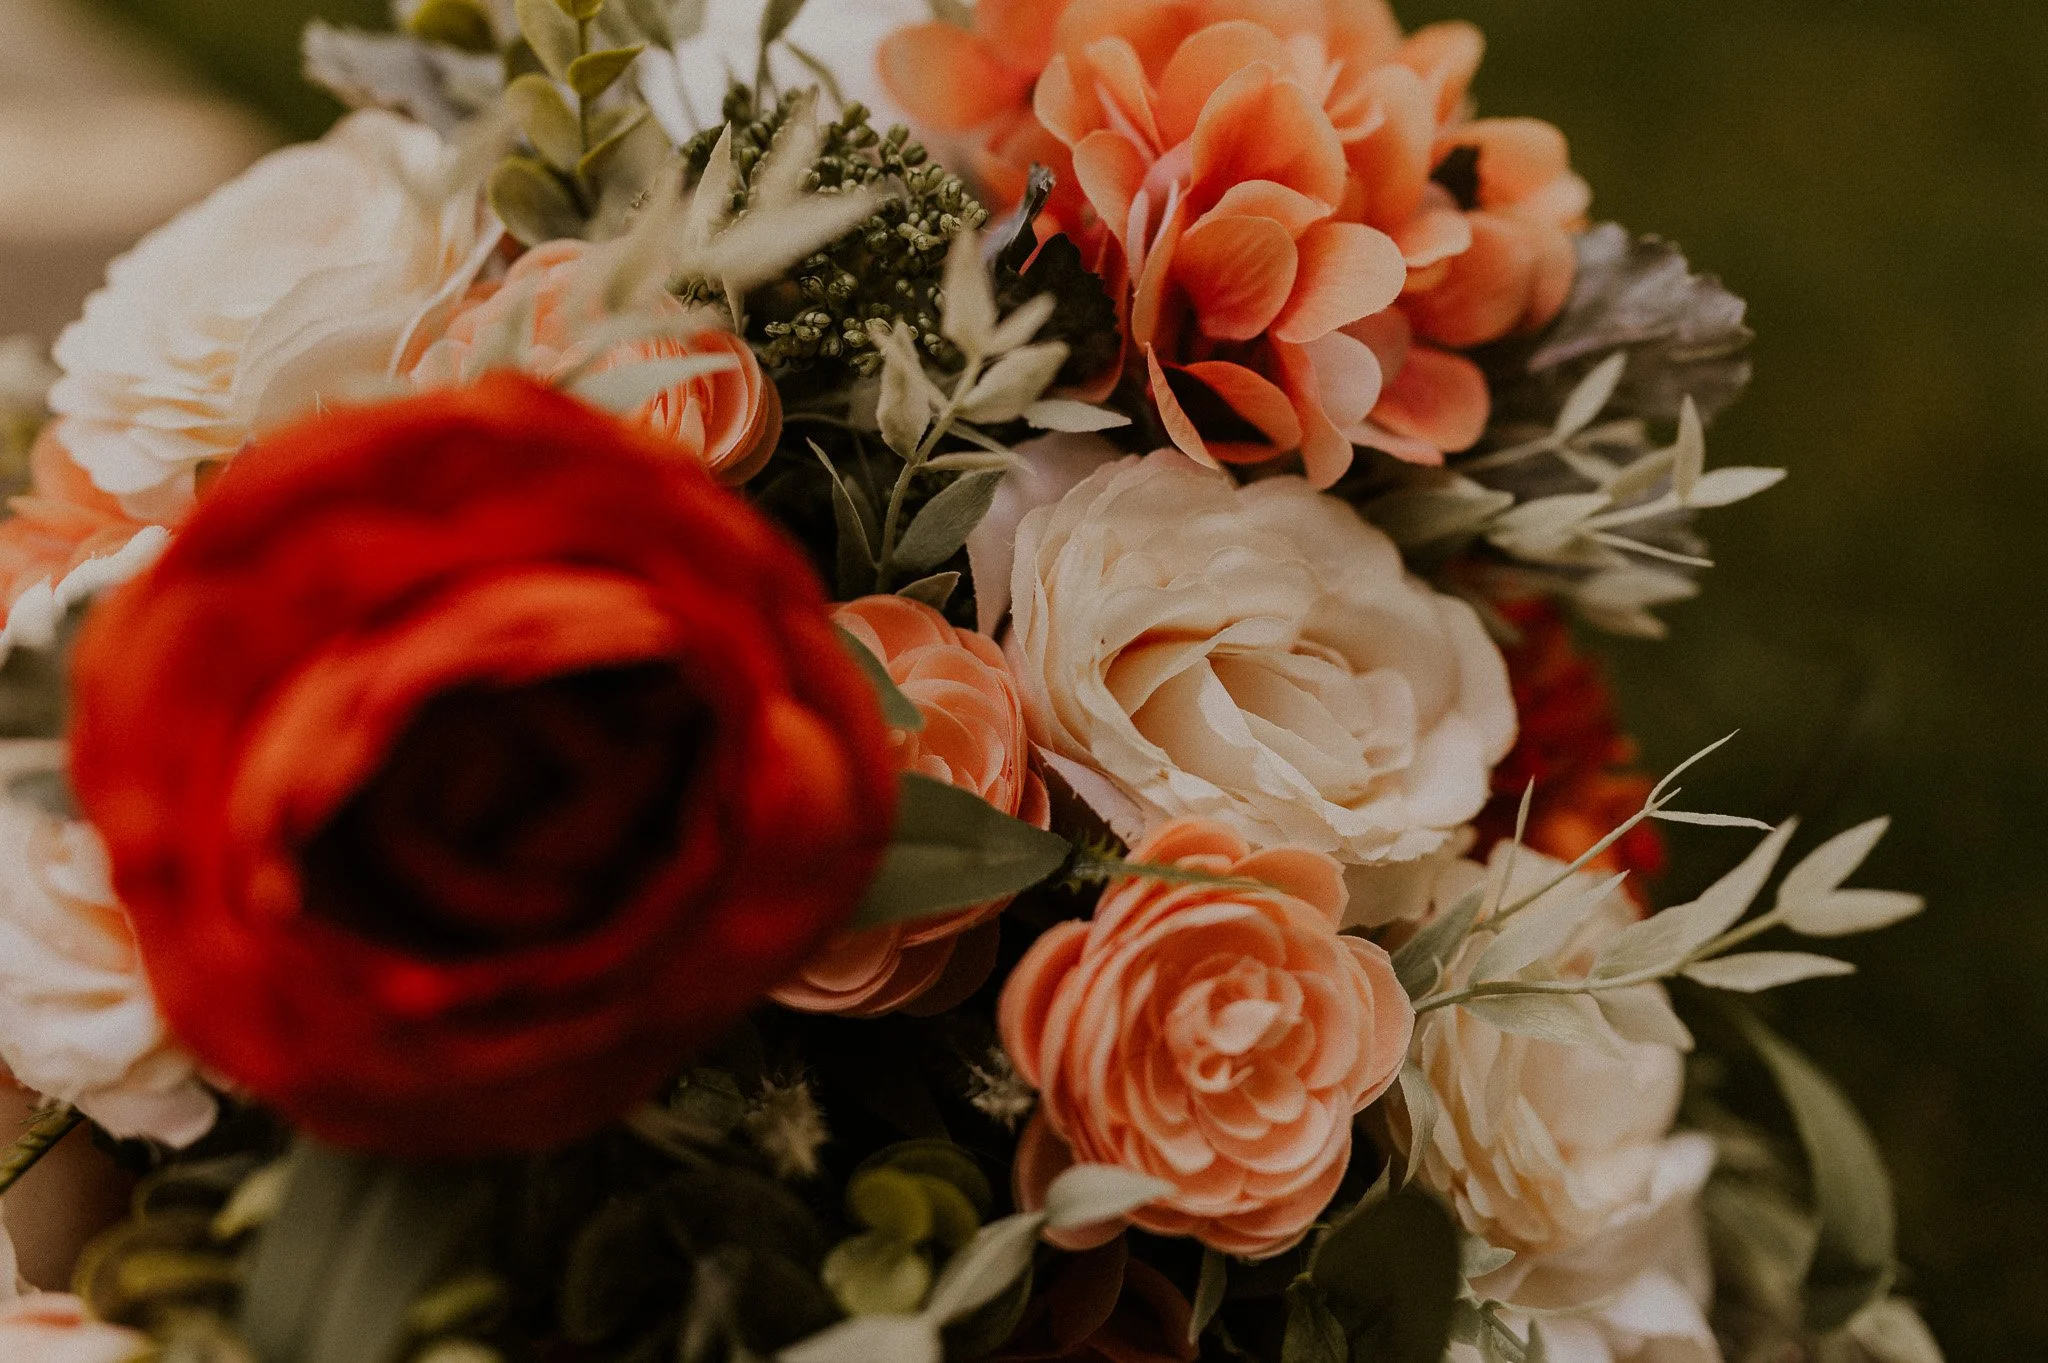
pixel 1873 176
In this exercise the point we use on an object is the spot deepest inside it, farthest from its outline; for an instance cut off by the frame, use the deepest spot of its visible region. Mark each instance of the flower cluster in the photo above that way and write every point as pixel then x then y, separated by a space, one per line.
pixel 651 719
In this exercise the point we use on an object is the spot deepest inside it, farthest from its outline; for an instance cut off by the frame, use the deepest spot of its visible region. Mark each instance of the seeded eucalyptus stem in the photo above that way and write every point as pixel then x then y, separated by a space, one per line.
pixel 44 1130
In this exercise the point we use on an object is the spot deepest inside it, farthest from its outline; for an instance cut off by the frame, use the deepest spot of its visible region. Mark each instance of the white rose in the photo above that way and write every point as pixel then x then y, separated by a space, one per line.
pixel 77 1019
pixel 1253 655
pixel 54 1327
pixel 306 274
pixel 685 86
pixel 1565 1154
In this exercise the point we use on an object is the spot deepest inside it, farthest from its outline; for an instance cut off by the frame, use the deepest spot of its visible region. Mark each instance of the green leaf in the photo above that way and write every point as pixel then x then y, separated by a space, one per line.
pixel 854 521
pixel 1566 1019
pixel 593 73
pixel 454 23
pixel 946 522
pixel 1421 1110
pixel 776 18
pixel 374 1235
pixel 1420 960
pixel 546 119
pixel 550 33
pixel 891 1202
pixel 582 10
pixel 1850 911
pixel 1208 1292
pixel 1752 972
pixel 1391 1273
pixel 897 708
pixel 1856 1261
pixel 934 591
pixel 1089 1193
pixel 999 1254
pixel 1663 941
pixel 534 206
pixel 1314 1334
pixel 877 1275
pixel 596 162
pixel 953 849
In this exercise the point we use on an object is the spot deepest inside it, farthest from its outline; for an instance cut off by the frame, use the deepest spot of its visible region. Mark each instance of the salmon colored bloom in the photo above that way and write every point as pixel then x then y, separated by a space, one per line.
pixel 62 523
pixel 973 738
pixel 1220 1038
pixel 729 420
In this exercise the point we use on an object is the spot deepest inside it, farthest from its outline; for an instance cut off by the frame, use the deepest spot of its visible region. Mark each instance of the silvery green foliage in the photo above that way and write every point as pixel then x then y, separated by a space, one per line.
pixel 440 86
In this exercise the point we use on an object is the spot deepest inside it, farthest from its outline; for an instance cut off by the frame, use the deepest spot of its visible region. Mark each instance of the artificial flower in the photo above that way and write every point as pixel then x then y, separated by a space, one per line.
pixel 973 737
pixel 77 1019
pixel 308 273
pixel 55 1327
pixel 516 760
pixel 1254 655
pixel 727 420
pixel 64 540
pixel 1102 1306
pixel 1572 748
pixel 1544 1147
pixel 1218 1037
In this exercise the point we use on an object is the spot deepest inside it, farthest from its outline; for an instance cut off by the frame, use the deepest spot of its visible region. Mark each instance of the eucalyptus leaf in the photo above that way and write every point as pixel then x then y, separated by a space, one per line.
pixel 1209 1290
pixel 1314 1334
pixel 1390 1271
pixel 1419 961
pixel 953 849
pixel 877 1275
pixel 534 206
pixel 457 23
pixel 1855 1262
pixel 946 521
pixel 1752 972
pixel 551 33
pixel 593 73
pixel 597 163
pixel 897 708
pixel 546 119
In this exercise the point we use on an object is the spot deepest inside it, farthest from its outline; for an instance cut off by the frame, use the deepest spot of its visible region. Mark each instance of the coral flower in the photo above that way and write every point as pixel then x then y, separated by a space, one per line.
pixel 1218 1037
pixel 728 421
pixel 974 738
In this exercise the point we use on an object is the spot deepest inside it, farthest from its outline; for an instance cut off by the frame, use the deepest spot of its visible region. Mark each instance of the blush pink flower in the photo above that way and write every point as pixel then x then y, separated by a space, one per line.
pixel 1220 1038
pixel 973 738
pixel 60 525
pixel 728 421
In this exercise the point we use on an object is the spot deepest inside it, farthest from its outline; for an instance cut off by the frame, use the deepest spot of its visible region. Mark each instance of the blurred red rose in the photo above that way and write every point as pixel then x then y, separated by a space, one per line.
pixel 1572 747
pixel 467 763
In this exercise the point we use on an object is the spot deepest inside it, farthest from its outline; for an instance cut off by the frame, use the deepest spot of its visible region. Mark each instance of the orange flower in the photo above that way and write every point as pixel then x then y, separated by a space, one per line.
pixel 729 420
pixel 973 737
pixel 60 524
pixel 1219 1038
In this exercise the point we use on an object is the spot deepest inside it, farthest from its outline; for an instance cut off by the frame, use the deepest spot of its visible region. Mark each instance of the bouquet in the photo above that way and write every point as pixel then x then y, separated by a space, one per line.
pixel 854 684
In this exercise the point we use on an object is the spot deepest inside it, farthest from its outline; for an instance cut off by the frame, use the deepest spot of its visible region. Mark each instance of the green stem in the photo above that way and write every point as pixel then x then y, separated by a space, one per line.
pixel 892 522
pixel 44 1130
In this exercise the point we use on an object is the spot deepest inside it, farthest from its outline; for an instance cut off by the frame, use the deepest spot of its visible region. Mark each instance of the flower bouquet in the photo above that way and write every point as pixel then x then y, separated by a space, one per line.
pixel 856 684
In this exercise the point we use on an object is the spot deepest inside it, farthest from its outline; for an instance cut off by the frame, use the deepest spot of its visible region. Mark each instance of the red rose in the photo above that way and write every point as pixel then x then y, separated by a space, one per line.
pixel 468 762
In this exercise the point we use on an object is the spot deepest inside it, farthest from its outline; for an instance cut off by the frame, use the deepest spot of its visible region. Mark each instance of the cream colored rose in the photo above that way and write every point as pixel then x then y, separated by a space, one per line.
pixel 77 1019
pixel 304 275
pixel 1565 1154
pixel 1257 656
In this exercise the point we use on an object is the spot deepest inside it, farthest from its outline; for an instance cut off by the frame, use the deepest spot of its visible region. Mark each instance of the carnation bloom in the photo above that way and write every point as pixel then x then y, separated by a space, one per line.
pixel 728 421
pixel 1564 1153
pixel 54 1327
pixel 64 540
pixel 1571 746
pixel 1220 1038
pixel 514 760
pixel 308 271
pixel 1254 655
pixel 973 737
pixel 77 1019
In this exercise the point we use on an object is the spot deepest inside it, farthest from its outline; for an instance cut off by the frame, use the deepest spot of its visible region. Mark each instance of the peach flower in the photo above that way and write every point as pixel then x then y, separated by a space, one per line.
pixel 973 737
pixel 1219 1038
pixel 729 421
pixel 54 1327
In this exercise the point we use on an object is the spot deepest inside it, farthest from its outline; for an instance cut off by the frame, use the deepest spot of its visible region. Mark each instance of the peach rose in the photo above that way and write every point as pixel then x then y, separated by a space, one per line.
pixel 1218 1038
pixel 729 421
pixel 64 540
pixel 54 1327
pixel 973 737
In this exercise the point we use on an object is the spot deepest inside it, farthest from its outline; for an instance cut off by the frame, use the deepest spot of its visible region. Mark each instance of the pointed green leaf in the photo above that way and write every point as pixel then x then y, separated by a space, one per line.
pixel 776 17
pixel 550 33
pixel 454 23
pixel 546 119
pixel 1752 972
pixel 1390 1271
pixel 897 708
pixel 953 849
pixel 946 522
pixel 534 206
pixel 934 591
pixel 593 73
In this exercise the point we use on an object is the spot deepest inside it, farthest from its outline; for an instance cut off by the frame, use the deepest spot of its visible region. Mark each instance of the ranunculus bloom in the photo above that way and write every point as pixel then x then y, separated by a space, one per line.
pixel 1547 1149
pixel 54 1327
pixel 306 272
pixel 1255 655
pixel 469 762
pixel 1218 1038
pixel 1572 747
pixel 974 738
pixel 728 421
pixel 64 540
pixel 77 1020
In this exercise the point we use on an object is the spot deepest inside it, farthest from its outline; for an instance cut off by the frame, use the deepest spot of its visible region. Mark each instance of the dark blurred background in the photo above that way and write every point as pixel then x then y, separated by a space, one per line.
pixel 1873 176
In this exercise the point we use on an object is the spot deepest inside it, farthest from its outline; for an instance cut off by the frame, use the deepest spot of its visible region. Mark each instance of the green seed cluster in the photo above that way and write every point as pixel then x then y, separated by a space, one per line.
pixel 887 269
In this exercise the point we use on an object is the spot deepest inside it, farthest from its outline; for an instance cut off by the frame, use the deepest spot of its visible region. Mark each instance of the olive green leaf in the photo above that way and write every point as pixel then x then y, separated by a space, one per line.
pixel 953 849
